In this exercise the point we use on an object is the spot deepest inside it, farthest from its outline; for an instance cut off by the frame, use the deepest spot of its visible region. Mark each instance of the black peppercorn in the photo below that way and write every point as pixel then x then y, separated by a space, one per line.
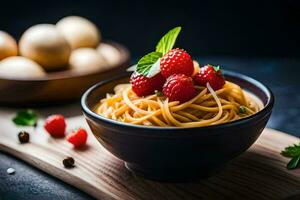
pixel 23 137
pixel 69 162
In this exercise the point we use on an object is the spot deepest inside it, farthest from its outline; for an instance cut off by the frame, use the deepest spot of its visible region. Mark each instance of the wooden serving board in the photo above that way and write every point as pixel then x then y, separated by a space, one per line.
pixel 259 173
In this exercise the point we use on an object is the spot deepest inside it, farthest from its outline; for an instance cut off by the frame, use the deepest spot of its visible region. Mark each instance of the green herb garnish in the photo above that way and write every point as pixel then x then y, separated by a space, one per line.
pixel 158 93
pixel 294 162
pixel 167 42
pixel 294 153
pixel 216 68
pixel 242 109
pixel 291 151
pixel 146 62
pixel 149 64
pixel 25 118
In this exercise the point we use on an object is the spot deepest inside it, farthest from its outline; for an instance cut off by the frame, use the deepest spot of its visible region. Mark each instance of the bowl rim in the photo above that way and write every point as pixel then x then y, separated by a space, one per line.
pixel 67 74
pixel 266 109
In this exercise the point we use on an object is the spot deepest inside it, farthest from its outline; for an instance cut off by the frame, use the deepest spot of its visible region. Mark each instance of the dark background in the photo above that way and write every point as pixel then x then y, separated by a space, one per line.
pixel 256 38
pixel 238 28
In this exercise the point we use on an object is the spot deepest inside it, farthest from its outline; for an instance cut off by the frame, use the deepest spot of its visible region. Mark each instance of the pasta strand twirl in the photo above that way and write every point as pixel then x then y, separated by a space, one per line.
pixel 207 108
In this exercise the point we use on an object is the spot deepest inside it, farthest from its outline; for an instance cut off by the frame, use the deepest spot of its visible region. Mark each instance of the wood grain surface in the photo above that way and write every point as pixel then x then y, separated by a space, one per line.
pixel 259 173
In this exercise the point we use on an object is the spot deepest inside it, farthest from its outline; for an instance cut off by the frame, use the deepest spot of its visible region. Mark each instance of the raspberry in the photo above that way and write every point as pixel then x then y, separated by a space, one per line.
pixel 144 86
pixel 55 125
pixel 176 61
pixel 212 75
pixel 78 138
pixel 179 87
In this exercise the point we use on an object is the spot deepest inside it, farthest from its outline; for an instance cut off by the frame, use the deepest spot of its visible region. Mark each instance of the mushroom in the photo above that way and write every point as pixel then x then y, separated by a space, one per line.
pixel 79 32
pixel 8 45
pixel 110 53
pixel 20 67
pixel 87 60
pixel 44 44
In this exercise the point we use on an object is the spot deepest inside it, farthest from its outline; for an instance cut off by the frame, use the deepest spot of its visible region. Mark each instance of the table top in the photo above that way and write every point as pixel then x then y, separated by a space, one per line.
pixel 280 74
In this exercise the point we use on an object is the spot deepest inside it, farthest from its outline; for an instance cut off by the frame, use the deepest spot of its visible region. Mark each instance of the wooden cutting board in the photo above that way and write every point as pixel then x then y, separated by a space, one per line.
pixel 259 173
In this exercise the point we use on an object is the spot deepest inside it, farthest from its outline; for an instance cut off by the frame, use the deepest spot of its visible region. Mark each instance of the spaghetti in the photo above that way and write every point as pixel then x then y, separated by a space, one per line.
pixel 209 107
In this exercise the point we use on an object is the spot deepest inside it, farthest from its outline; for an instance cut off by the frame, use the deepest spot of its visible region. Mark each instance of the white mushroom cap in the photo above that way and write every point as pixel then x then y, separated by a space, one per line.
pixel 87 59
pixel 44 44
pixel 79 32
pixel 8 45
pixel 20 67
pixel 110 53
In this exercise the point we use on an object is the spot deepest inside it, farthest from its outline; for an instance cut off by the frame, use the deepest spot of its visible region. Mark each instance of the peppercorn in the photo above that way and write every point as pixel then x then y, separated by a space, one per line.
pixel 23 137
pixel 69 162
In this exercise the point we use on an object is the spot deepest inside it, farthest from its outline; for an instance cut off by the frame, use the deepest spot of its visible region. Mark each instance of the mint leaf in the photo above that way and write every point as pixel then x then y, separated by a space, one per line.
pixel 291 151
pixel 155 69
pixel 146 62
pixel 294 153
pixel 25 118
pixel 294 162
pixel 149 65
pixel 167 42
pixel 216 68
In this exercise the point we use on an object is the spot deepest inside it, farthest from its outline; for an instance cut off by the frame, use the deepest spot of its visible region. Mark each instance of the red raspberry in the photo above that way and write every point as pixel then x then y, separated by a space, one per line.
pixel 78 137
pixel 210 74
pixel 144 86
pixel 176 61
pixel 55 125
pixel 179 87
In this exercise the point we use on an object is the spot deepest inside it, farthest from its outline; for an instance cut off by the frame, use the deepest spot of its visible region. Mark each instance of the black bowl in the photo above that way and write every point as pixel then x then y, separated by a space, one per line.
pixel 177 154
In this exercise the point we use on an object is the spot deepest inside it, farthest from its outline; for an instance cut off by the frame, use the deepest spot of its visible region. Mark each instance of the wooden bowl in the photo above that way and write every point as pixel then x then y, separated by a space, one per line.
pixel 56 87
pixel 173 153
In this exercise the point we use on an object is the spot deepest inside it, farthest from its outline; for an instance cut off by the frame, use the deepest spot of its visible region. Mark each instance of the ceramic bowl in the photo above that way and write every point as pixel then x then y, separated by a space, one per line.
pixel 172 153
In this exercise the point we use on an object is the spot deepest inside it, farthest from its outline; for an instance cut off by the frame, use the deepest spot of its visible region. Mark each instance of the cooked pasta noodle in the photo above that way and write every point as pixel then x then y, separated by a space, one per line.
pixel 207 108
